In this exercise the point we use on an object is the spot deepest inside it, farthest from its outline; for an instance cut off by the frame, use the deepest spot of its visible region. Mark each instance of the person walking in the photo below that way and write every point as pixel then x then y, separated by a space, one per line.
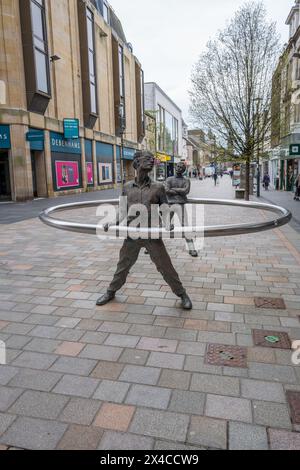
pixel 266 182
pixel 215 177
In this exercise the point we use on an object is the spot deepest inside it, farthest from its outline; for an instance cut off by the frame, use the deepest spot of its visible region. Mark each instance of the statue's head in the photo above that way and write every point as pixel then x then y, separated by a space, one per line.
pixel 143 160
pixel 180 168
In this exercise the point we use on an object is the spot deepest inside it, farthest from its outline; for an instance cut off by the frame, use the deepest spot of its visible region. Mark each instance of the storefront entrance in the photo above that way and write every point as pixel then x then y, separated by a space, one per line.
pixel 38 169
pixel 5 187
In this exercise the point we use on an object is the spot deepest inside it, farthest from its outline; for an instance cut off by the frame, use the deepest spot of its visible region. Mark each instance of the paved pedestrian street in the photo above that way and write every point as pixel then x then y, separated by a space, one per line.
pixel 140 373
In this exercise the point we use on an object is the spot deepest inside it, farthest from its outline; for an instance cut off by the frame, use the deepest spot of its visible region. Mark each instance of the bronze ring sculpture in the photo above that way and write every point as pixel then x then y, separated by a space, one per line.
pixel 209 231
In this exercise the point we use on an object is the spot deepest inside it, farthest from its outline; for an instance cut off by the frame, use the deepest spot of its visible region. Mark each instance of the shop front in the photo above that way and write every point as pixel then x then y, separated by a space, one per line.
pixel 5 146
pixel 105 164
pixel 90 179
pixel 164 167
pixel 66 163
pixel 128 156
pixel 36 139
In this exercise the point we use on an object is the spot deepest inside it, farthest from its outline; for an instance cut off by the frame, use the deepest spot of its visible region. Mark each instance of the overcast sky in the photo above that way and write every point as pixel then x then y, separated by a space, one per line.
pixel 168 35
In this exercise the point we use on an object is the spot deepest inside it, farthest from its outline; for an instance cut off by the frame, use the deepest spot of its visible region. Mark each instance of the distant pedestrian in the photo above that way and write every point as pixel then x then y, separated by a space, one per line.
pixel 297 193
pixel 215 178
pixel 277 182
pixel 231 174
pixel 266 182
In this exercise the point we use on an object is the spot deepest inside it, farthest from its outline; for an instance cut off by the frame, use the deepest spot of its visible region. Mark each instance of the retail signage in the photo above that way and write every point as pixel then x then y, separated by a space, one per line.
pixel 67 174
pixel 4 137
pixel 61 145
pixel 90 173
pixel 295 149
pixel 35 135
pixel 128 154
pixel 163 158
pixel 71 128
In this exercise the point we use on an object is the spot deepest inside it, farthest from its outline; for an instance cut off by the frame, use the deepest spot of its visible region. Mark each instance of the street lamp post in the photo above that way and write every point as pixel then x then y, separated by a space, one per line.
pixel 122 132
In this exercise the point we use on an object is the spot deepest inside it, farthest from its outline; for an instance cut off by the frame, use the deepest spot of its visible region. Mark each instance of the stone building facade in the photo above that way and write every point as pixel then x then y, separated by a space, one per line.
pixel 284 162
pixel 70 88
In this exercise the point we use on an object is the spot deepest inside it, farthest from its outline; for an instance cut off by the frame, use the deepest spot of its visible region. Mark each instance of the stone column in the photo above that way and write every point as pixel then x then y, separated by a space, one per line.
pixel 95 165
pixel 48 164
pixel 20 164
pixel 83 165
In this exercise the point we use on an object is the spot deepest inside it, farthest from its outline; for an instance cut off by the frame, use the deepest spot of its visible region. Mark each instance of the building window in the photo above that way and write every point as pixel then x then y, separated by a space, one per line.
pixel 122 113
pixel 142 101
pixel 161 128
pixel 92 61
pixel 40 45
pixel 106 12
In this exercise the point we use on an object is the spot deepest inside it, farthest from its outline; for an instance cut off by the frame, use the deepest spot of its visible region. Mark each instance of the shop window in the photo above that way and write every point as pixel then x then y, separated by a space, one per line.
pixel 88 64
pixel 119 87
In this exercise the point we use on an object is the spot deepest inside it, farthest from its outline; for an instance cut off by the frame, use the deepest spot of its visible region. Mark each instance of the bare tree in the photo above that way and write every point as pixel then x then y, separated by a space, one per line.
pixel 232 84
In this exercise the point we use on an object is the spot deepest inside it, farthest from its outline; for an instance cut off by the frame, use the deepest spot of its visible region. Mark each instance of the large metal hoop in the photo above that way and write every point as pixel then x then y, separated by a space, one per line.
pixel 209 231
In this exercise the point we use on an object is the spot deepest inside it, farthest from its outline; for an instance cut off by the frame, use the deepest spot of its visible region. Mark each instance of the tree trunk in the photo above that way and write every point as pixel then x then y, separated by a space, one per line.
pixel 247 180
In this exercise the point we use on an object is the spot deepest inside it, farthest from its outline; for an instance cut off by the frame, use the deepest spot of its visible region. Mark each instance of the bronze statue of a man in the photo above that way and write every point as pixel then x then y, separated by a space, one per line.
pixel 144 191
pixel 177 188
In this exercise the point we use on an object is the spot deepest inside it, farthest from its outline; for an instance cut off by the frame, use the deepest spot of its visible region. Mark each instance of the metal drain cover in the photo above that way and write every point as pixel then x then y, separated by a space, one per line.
pixel 221 355
pixel 294 402
pixel 267 302
pixel 271 339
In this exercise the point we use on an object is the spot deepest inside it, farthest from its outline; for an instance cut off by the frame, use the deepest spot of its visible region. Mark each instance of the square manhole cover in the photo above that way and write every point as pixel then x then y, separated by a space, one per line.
pixel 271 339
pixel 267 302
pixel 293 399
pixel 231 356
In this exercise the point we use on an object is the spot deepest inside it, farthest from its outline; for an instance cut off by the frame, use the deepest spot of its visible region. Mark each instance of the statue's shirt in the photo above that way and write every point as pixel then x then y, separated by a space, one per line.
pixel 149 194
pixel 182 184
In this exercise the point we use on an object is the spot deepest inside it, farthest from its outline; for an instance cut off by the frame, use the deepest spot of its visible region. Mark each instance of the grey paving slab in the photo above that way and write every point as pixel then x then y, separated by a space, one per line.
pixel 140 375
pixel 80 411
pixel 160 424
pixel 175 379
pixel 34 434
pixel 166 360
pixel 76 386
pixel 112 440
pixel 187 402
pixel 111 391
pixel 272 372
pixel 74 365
pixel 7 373
pixel 146 396
pixel 122 341
pixel 31 379
pixel 33 360
pixel 102 353
pixel 42 345
pixel 5 421
pixel 208 432
pixel 235 409
pixel 39 405
pixel 247 437
pixel 8 396
pixel 134 357
pixel 215 384
pixel 260 390
pixel 271 414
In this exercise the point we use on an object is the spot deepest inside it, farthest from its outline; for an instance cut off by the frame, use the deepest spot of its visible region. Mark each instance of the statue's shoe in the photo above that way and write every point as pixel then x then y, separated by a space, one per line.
pixel 108 297
pixel 193 253
pixel 186 302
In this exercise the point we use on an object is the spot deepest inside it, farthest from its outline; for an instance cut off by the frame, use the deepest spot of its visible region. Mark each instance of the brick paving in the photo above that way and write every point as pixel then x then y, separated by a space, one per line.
pixel 133 374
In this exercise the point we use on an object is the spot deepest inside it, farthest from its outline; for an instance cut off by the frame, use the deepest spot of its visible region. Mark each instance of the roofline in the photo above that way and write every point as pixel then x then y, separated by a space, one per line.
pixel 164 93
pixel 294 8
